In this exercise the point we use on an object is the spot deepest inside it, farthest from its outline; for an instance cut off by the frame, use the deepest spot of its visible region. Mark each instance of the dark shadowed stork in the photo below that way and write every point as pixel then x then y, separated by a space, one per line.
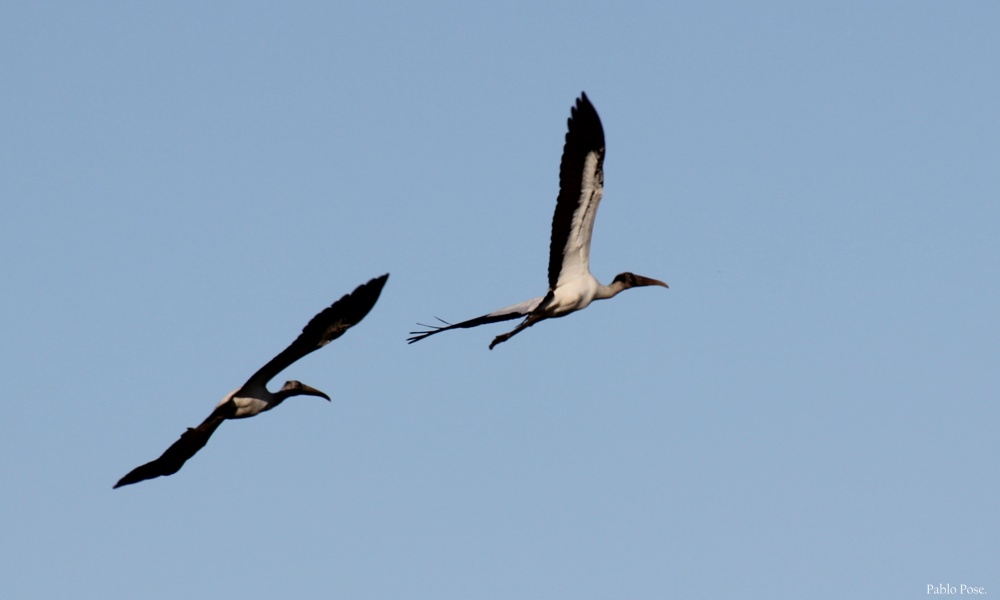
pixel 571 286
pixel 253 397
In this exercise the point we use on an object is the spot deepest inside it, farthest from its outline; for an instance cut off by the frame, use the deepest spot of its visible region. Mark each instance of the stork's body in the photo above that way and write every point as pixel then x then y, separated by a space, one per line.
pixel 571 285
pixel 253 397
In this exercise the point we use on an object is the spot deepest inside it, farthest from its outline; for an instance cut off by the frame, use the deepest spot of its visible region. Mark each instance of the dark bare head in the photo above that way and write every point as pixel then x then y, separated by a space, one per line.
pixel 631 280
pixel 297 388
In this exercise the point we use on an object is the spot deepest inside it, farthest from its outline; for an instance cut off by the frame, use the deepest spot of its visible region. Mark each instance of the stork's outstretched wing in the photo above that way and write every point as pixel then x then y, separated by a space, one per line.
pixel 322 329
pixel 191 441
pixel 581 185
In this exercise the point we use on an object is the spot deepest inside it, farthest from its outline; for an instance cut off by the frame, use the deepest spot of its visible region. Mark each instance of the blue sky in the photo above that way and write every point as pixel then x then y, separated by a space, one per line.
pixel 810 410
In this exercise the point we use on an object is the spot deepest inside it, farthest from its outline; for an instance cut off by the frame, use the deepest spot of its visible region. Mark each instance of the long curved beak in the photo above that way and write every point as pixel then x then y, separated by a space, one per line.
pixel 311 391
pixel 650 281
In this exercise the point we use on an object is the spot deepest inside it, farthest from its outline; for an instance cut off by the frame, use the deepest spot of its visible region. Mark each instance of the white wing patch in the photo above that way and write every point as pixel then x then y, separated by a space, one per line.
pixel 576 254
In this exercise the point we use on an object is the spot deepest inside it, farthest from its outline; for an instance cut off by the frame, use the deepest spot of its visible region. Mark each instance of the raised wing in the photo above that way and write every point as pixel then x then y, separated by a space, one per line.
pixel 171 461
pixel 581 185
pixel 521 309
pixel 325 327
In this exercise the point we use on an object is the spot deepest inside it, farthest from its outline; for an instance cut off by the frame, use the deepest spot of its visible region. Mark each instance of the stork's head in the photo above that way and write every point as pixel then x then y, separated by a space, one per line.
pixel 631 280
pixel 297 388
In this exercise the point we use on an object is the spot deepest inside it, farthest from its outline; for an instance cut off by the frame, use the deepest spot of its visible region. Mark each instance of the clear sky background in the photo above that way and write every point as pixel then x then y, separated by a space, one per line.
pixel 811 409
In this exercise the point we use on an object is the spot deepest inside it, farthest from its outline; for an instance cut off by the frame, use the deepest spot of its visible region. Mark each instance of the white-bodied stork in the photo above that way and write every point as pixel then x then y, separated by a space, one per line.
pixel 571 286
pixel 253 397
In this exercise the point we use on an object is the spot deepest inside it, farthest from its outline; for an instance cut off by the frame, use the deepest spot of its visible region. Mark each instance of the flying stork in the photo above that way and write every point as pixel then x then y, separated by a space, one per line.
pixel 253 397
pixel 571 286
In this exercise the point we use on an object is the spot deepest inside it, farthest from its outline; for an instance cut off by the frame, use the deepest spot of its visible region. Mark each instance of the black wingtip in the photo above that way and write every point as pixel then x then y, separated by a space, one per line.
pixel 588 129
pixel 378 282
pixel 129 479
pixel 355 306
pixel 370 292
